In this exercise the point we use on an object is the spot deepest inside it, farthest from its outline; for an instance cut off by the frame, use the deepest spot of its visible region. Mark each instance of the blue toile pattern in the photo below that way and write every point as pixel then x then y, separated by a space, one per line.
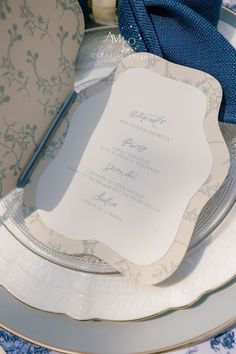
pixel 224 341
pixel 34 23
pixel 10 73
pixel 14 345
pixel 4 9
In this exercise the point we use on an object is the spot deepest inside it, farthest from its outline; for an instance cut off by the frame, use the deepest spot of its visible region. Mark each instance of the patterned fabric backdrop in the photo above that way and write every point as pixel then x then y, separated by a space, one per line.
pixel 222 344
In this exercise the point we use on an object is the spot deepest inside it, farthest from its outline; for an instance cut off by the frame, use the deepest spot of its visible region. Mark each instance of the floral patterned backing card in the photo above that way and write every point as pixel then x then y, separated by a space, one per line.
pixel 39 45
pixel 160 270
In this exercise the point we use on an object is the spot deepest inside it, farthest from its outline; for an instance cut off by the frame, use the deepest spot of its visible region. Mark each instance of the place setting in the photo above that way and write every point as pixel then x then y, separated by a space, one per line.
pixel 117 179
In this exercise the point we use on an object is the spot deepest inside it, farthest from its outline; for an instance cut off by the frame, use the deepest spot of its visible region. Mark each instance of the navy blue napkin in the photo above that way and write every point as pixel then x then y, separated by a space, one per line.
pixel 183 32
pixel 85 9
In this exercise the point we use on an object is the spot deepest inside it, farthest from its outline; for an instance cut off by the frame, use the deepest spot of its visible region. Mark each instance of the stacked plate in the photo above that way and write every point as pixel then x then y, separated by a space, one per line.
pixel 86 288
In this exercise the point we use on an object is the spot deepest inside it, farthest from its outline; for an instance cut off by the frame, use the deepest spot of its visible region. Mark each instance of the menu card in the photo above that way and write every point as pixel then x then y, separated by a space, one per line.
pixel 135 158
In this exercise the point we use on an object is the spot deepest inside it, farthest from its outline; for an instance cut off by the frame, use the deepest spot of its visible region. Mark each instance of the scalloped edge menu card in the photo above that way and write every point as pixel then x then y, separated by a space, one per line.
pixel 129 177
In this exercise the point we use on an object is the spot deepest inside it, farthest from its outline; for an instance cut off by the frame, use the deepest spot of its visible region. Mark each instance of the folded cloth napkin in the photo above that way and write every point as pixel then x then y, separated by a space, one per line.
pixel 85 9
pixel 184 32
